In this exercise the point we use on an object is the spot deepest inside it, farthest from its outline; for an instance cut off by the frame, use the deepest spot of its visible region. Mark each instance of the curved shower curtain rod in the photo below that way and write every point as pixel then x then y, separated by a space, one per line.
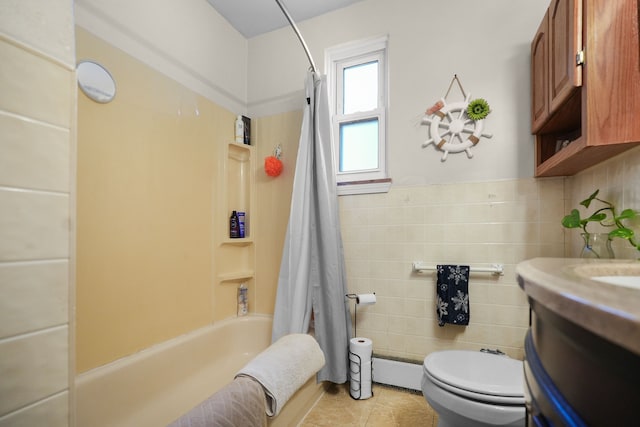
pixel 295 28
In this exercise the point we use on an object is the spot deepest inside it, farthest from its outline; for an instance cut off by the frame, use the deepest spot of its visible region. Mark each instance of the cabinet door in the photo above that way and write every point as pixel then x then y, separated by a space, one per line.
pixel 565 41
pixel 539 76
pixel 612 72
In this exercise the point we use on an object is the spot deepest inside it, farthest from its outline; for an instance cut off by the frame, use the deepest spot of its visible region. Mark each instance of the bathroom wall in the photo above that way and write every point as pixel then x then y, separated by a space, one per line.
pixel 619 182
pixel 187 41
pixel 37 152
pixel 486 44
pixel 481 223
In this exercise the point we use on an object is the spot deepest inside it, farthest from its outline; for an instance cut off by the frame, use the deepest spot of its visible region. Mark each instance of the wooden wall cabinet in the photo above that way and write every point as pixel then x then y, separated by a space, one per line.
pixel 565 41
pixel 585 65
pixel 540 76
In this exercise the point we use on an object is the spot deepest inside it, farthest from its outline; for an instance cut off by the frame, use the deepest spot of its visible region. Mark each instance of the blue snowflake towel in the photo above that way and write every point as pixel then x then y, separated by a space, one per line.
pixel 452 305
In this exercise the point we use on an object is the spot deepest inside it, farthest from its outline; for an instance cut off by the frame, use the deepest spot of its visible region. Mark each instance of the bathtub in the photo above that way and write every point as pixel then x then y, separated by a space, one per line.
pixel 159 384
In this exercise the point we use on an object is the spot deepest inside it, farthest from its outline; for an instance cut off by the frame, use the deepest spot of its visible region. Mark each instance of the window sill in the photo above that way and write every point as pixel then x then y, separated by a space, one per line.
pixel 364 187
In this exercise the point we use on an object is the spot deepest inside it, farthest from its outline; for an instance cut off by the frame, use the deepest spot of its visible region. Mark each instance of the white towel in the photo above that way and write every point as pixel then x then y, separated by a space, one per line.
pixel 284 367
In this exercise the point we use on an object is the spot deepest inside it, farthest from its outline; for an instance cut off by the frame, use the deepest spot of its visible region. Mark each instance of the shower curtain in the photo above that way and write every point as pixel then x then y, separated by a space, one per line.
pixel 312 273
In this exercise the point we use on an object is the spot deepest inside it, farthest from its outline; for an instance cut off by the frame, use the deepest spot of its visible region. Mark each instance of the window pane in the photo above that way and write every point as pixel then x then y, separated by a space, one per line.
pixel 359 145
pixel 360 90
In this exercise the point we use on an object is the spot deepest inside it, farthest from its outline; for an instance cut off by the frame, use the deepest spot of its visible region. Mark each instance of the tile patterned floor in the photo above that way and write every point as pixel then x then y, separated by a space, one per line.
pixel 389 407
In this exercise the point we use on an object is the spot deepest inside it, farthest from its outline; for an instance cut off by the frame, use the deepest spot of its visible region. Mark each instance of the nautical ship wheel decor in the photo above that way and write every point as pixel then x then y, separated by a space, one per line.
pixel 457 126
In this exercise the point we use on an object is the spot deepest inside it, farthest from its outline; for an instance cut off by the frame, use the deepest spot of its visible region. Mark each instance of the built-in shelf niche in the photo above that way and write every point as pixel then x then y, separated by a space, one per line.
pixel 238 276
pixel 234 257
pixel 238 183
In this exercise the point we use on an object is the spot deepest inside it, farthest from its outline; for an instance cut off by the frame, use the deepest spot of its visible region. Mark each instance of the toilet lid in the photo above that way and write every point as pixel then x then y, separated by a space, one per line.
pixel 478 375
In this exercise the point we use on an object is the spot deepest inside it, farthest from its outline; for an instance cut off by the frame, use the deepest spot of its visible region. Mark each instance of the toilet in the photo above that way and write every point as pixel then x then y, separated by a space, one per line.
pixel 474 389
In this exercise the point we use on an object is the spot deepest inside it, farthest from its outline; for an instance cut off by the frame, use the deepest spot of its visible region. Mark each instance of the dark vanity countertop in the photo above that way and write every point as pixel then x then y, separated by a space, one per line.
pixel 563 286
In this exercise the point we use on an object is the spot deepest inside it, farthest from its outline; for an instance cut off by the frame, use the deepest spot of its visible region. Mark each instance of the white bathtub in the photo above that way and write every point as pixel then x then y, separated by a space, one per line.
pixel 159 384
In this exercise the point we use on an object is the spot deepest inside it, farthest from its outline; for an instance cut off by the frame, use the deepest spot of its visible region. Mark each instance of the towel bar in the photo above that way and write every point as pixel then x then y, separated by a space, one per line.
pixel 497 269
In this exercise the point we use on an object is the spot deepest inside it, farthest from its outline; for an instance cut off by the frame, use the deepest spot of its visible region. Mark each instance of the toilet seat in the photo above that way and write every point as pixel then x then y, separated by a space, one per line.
pixel 479 376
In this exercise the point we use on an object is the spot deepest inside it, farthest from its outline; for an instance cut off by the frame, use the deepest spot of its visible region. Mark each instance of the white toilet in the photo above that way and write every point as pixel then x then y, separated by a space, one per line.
pixel 474 389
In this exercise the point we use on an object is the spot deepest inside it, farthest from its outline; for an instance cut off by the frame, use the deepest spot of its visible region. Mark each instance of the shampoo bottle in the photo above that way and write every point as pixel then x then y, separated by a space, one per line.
pixel 234 228
pixel 243 300
pixel 239 130
pixel 241 226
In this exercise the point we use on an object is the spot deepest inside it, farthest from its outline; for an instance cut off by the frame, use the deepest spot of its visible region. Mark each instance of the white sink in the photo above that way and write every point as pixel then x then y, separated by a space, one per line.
pixel 628 281
pixel 625 274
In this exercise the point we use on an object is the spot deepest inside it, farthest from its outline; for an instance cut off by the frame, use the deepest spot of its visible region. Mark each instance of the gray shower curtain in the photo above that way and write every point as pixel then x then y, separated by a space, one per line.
pixel 312 272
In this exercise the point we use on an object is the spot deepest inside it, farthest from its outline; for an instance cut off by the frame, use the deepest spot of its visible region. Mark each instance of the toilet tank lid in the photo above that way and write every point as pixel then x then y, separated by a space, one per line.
pixel 477 372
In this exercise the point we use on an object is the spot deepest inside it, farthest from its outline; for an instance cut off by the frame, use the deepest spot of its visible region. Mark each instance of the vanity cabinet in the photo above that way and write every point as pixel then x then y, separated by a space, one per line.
pixel 585 84
pixel 582 350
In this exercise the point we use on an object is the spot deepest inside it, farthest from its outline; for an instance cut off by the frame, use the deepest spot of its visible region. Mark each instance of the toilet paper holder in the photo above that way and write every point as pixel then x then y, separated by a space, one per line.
pixel 359 299
pixel 364 299
pixel 357 380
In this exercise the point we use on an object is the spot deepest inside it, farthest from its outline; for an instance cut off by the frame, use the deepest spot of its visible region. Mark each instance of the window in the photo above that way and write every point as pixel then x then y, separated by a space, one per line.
pixel 357 75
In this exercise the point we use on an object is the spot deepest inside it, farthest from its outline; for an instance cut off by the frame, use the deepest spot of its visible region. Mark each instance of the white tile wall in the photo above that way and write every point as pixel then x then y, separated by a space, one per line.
pixel 37 296
pixel 36 155
pixel 33 225
pixel 478 224
pixel 43 25
pixel 52 411
pixel 41 93
pixel 36 115
pixel 36 365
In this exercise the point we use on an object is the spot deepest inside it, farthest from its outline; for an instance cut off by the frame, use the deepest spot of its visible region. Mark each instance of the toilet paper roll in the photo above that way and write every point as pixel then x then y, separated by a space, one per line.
pixel 362 347
pixel 365 299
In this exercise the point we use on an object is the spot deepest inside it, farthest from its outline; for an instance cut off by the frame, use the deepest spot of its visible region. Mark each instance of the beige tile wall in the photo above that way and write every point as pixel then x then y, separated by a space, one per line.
pixel 477 224
pixel 619 182
pixel 36 150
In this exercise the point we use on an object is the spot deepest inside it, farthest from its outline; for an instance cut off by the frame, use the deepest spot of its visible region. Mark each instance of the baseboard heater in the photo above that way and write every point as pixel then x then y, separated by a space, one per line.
pixel 398 373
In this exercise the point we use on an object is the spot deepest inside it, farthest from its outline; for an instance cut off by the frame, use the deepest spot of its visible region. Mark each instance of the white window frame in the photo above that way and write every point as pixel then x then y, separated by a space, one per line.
pixel 337 59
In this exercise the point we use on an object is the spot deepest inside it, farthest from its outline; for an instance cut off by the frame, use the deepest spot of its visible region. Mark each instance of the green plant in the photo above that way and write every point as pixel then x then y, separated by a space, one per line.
pixel 606 216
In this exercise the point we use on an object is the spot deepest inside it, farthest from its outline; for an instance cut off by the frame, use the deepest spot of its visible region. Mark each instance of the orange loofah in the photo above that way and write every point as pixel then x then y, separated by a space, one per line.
pixel 272 166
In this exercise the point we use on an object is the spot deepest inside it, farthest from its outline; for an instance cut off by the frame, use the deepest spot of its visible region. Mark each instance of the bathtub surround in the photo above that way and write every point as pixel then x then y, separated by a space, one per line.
pixel 147 163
